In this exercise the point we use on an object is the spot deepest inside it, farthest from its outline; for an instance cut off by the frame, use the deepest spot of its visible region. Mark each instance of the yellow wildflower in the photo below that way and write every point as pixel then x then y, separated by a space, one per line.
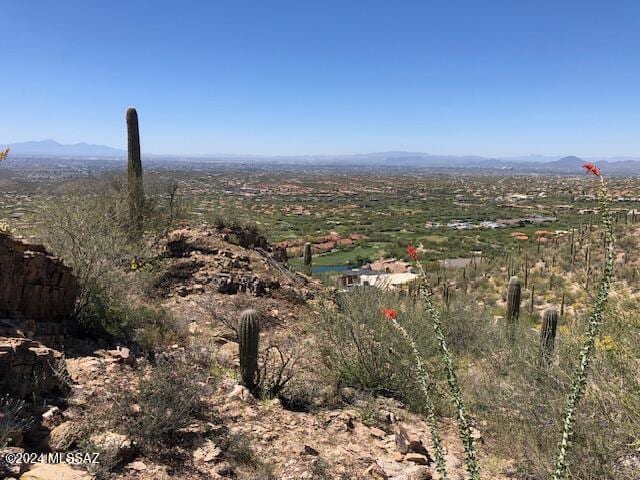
pixel 607 343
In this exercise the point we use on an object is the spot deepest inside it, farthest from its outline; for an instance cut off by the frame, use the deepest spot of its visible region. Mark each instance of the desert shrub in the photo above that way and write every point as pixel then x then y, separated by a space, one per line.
pixel 245 234
pixel 469 330
pixel 90 233
pixel 238 452
pixel 113 317
pixel 360 349
pixel 522 403
pixel 277 367
pixel 14 419
pixel 165 399
pixel 87 232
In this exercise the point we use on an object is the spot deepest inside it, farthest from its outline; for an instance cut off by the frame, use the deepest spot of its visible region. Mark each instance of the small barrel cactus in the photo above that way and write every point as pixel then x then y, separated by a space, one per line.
pixel 548 334
pixel 513 300
pixel 248 337
pixel 134 173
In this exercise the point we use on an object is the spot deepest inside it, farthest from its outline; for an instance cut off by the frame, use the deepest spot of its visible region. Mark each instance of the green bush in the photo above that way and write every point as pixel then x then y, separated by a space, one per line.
pixel 360 348
pixel 114 318
pixel 521 403
pixel 90 232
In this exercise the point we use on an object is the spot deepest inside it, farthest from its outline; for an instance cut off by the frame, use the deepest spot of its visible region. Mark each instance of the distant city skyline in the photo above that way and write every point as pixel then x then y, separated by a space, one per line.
pixel 494 79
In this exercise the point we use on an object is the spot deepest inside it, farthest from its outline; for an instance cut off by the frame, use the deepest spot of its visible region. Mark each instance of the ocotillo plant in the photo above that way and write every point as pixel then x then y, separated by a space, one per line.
pixel 595 321
pixel 134 174
pixel 248 338
pixel 513 301
pixel 548 334
pixel 464 427
pixel 421 376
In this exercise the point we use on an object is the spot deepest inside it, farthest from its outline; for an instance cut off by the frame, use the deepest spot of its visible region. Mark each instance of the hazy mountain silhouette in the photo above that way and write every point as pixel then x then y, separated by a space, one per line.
pixel 51 147
pixel 395 159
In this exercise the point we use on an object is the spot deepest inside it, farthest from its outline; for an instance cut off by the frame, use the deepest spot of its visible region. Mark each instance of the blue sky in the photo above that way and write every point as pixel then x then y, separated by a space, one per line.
pixel 274 77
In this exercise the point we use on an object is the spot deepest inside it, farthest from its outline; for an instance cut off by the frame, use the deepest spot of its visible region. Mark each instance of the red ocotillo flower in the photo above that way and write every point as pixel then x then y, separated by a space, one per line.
pixel 592 169
pixel 413 253
pixel 390 313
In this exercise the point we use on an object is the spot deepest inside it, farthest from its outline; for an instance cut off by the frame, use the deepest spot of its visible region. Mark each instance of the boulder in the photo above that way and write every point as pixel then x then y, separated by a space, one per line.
pixel 229 354
pixel 207 453
pixel 62 436
pixel 415 472
pixel 52 417
pixel 27 367
pixel 407 444
pixel 50 471
pixel 11 469
pixel 416 458
pixel 375 471
pixel 119 447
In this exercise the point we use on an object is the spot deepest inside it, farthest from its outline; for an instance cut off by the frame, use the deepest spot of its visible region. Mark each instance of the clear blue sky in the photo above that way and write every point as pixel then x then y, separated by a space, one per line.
pixel 461 77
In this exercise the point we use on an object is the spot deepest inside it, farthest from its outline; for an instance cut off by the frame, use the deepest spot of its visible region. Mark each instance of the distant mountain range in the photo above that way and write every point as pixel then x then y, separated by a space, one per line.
pixel 394 159
pixel 53 148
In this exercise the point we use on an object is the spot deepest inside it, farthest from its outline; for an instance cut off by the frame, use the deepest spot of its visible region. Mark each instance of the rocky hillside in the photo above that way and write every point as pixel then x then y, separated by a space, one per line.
pixel 207 278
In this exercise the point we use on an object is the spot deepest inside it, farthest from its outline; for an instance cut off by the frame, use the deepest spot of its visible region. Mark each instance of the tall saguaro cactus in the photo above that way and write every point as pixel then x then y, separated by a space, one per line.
pixel 134 174
pixel 513 300
pixel 548 334
pixel 248 337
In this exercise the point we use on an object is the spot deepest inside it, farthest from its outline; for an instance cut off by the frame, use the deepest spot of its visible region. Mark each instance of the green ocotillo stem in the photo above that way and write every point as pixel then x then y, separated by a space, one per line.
pixel 513 300
pixel 596 318
pixel 423 384
pixel 464 426
pixel 248 338
pixel 134 172
pixel 548 334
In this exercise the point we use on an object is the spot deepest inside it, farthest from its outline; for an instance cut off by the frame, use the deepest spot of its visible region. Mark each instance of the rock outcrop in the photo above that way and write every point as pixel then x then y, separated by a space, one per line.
pixel 203 260
pixel 28 367
pixel 37 291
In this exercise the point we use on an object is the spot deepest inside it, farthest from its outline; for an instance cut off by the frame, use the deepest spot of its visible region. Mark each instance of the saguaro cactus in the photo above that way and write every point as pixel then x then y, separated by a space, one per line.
pixel 548 334
pixel 134 173
pixel 306 255
pixel 533 299
pixel 513 300
pixel 248 337
pixel 446 294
